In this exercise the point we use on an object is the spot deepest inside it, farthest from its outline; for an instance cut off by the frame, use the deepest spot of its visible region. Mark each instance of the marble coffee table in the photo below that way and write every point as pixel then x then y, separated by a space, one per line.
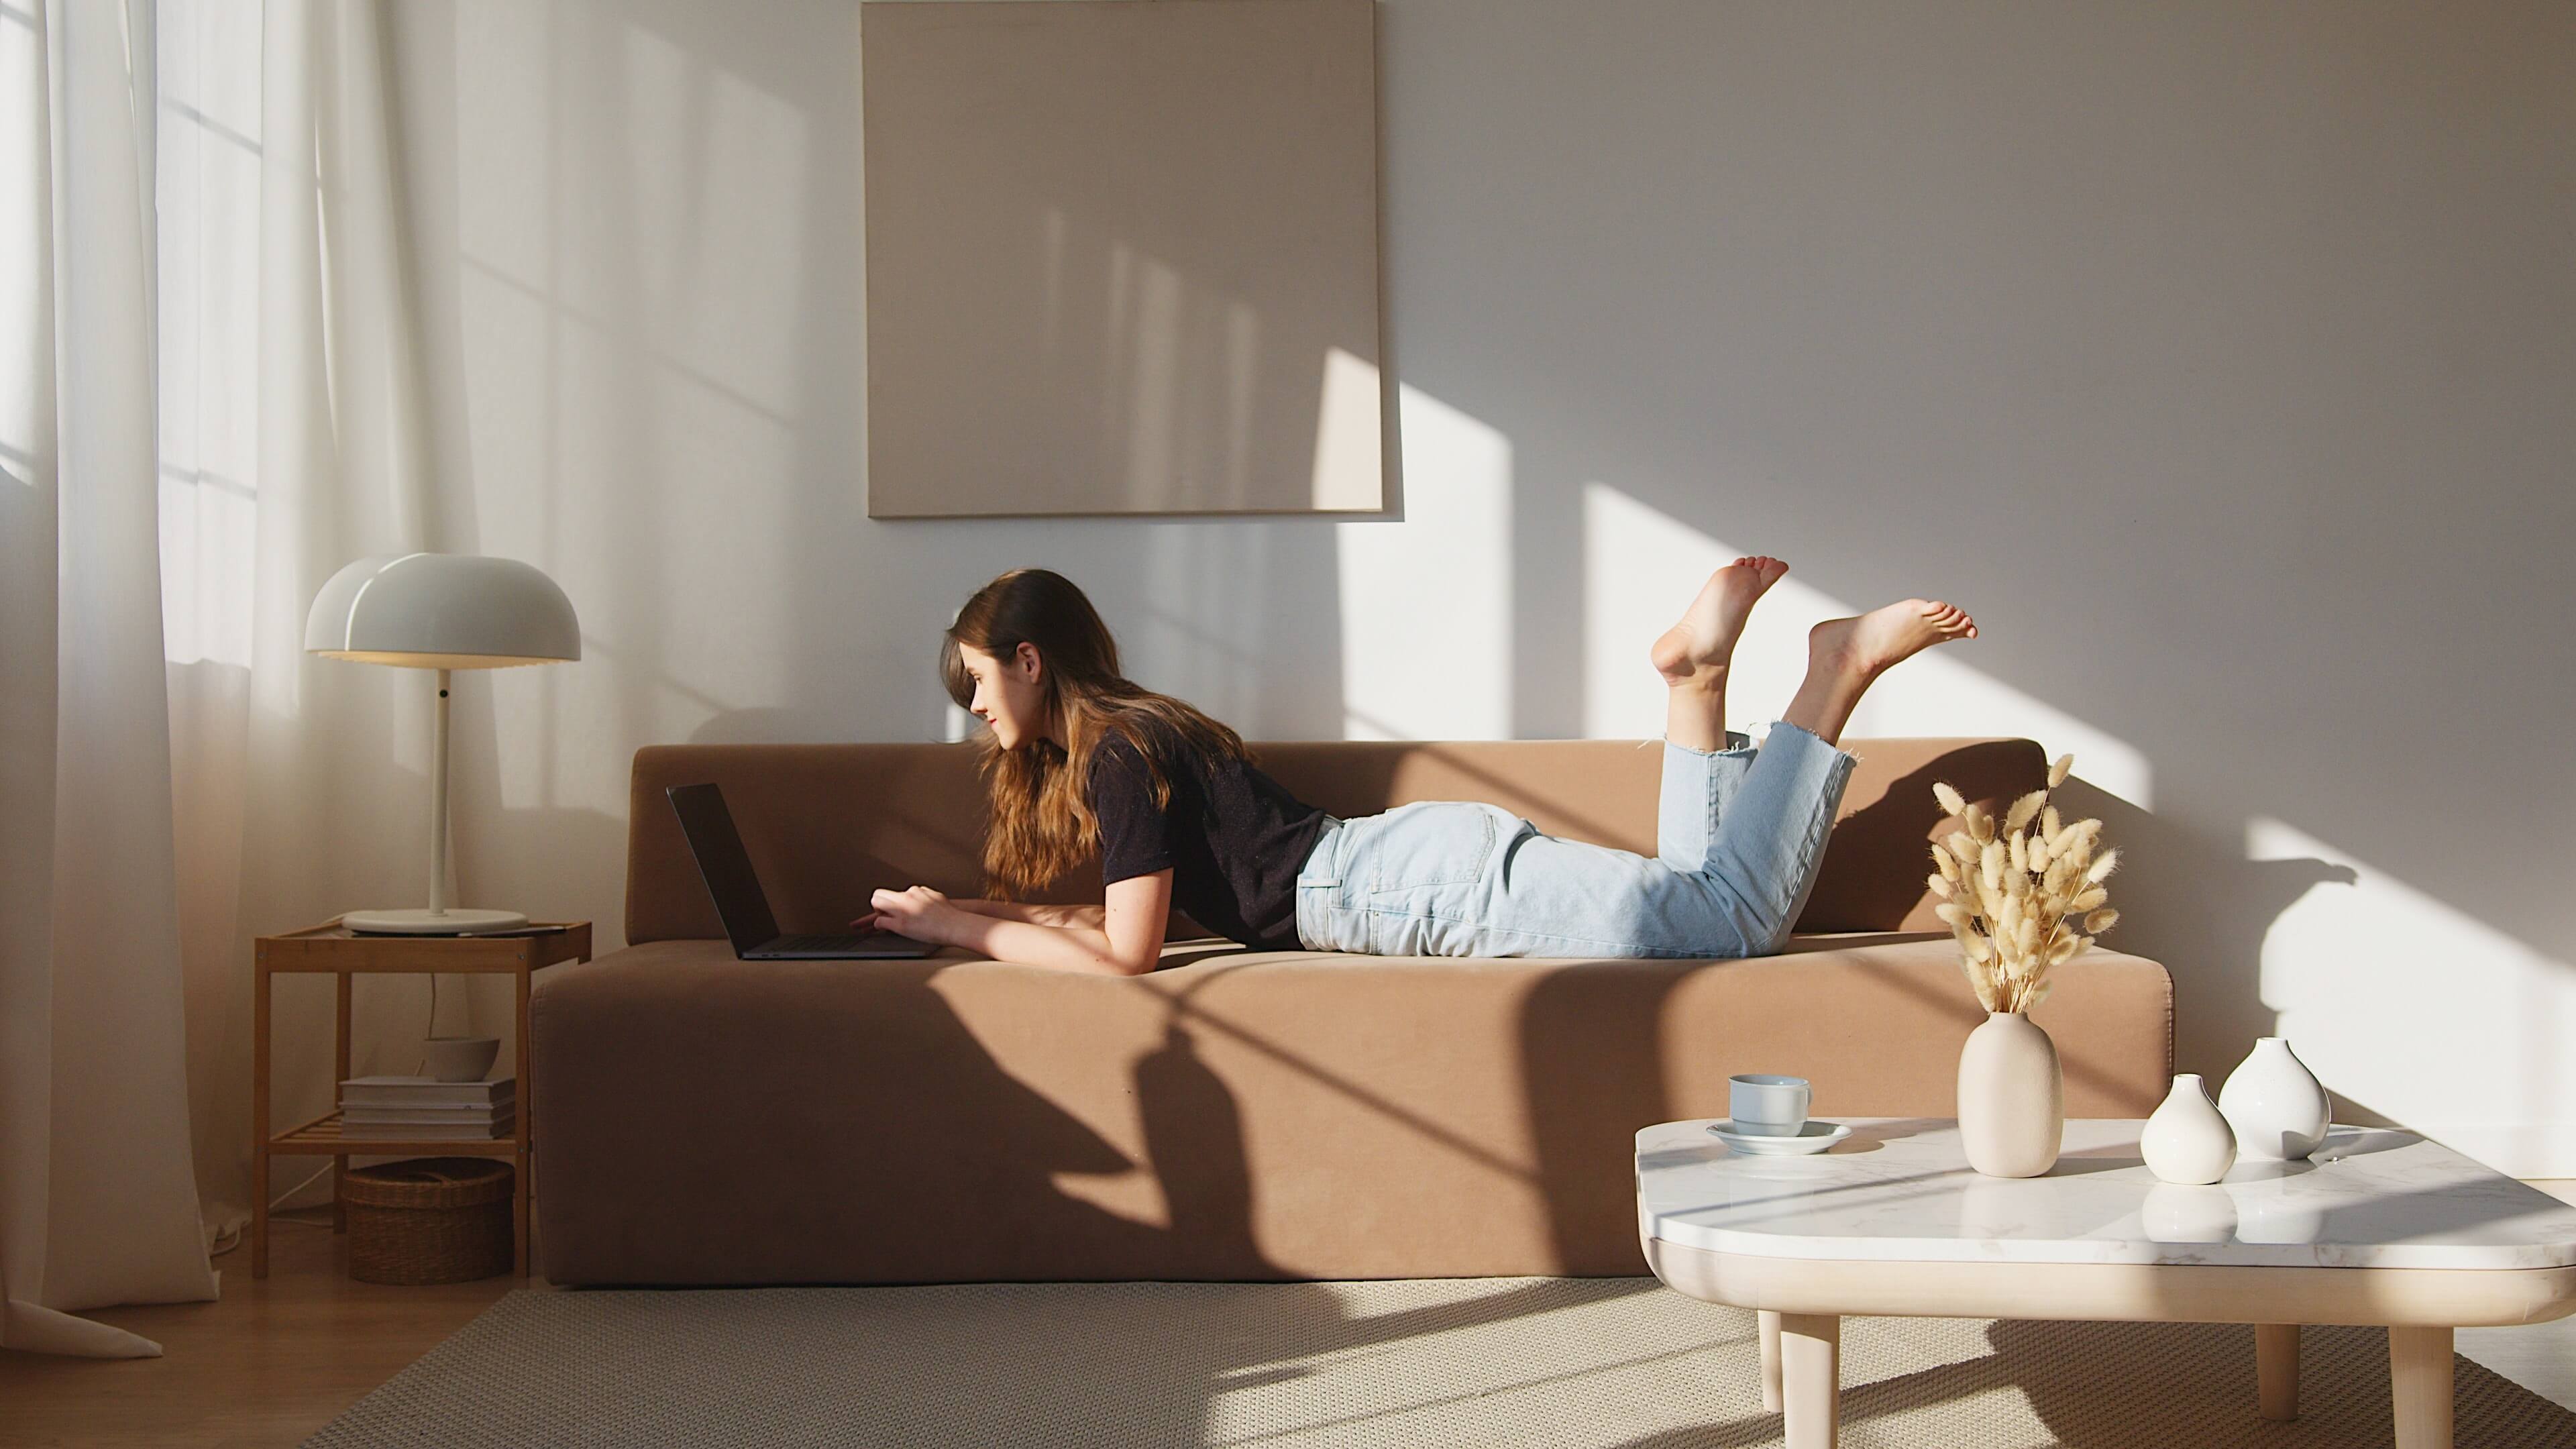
pixel 2378 1227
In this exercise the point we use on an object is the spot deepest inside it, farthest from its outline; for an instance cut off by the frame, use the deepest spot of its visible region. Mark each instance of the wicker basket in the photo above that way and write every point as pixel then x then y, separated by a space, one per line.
pixel 428 1220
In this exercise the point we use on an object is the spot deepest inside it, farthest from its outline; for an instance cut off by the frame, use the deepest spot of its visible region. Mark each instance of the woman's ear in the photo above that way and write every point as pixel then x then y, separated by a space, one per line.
pixel 1030 665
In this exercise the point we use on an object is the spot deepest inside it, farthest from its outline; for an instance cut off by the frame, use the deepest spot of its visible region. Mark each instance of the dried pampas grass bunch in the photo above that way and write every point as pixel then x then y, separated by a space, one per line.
pixel 2023 895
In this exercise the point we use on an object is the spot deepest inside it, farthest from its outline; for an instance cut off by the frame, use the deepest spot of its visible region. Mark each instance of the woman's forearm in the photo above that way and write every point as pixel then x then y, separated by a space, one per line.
pixel 1080 917
pixel 1065 948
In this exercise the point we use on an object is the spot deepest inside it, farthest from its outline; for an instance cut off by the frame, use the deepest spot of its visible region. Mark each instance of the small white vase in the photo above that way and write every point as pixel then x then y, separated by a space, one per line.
pixel 2278 1108
pixel 2012 1098
pixel 2187 1141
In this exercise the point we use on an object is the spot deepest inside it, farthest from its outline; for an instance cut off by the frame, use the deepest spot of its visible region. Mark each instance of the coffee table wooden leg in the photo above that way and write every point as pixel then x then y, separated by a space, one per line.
pixel 1811 1379
pixel 1770 1361
pixel 2419 1385
pixel 2276 1369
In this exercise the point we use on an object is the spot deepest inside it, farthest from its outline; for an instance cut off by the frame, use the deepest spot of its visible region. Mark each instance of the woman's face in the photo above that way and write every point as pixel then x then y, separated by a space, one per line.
pixel 1008 695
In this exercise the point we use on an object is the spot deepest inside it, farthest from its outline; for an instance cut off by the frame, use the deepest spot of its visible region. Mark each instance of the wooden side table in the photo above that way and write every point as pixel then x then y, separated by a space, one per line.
pixel 333 949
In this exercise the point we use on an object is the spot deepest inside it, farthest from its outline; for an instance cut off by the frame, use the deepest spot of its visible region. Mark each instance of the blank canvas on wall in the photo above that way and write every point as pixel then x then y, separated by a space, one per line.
pixel 1121 256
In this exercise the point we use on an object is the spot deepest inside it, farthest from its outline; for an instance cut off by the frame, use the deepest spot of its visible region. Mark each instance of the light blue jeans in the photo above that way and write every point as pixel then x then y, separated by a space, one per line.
pixel 1739 833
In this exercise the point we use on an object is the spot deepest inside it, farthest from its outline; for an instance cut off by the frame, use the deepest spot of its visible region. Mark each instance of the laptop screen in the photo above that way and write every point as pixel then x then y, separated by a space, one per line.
pixel 726 865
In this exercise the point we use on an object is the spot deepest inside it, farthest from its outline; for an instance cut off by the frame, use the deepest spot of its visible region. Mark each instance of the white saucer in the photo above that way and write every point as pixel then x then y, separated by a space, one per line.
pixel 1813 1136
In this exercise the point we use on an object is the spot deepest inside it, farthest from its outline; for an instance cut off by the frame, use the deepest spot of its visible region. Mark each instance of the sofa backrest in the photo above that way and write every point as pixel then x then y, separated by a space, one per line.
pixel 827 824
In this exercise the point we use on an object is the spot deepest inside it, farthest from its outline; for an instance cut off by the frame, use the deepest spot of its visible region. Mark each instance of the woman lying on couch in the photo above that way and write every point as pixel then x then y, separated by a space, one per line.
pixel 1079 758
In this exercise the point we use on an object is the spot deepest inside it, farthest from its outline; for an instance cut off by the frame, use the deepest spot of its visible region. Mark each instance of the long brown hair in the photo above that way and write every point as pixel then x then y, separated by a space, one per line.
pixel 1042 824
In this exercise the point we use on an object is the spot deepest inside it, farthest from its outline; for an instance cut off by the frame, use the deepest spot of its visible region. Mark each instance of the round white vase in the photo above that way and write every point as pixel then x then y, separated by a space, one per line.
pixel 2012 1098
pixel 2187 1141
pixel 2278 1107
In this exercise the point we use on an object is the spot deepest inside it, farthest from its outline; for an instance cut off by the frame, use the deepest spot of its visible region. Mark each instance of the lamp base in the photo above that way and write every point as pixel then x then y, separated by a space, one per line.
pixel 449 922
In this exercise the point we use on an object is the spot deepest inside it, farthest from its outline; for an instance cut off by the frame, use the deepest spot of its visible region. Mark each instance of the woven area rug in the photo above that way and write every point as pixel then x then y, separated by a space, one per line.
pixel 1485 1361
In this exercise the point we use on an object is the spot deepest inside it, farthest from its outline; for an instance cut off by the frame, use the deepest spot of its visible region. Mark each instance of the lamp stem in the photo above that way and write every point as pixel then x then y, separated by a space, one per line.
pixel 438 804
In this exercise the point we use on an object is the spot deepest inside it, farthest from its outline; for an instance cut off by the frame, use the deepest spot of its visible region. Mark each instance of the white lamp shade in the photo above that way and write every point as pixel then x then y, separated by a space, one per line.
pixel 443 611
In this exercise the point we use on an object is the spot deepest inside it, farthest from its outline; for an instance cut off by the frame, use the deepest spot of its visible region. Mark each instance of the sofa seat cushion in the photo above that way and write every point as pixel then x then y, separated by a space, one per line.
pixel 1238 1115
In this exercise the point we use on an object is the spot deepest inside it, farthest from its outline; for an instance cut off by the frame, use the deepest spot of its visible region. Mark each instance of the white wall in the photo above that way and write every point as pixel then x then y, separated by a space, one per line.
pixel 2221 358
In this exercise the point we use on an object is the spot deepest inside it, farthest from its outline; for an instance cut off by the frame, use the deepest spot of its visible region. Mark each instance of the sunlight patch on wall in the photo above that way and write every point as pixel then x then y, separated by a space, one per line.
pixel 1145 296
pixel 1427 602
pixel 1935 693
pixel 1348 448
pixel 1160 376
pixel 2419 1011
pixel 1641 568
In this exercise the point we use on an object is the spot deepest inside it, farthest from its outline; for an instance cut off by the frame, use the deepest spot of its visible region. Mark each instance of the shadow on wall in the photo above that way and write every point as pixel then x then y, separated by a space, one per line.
pixel 2201 908
pixel 1862 327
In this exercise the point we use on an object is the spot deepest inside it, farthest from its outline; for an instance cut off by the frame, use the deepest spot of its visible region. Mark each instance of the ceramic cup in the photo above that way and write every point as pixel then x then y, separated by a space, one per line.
pixel 461 1058
pixel 1765 1105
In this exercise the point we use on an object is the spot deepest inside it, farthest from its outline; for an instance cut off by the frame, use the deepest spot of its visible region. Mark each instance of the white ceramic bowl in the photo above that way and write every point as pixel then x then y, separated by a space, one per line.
pixel 461 1058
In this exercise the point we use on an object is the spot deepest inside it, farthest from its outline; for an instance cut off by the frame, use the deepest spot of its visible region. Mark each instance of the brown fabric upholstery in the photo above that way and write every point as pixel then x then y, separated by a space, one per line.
pixel 1237 1114
pixel 827 824
pixel 1244 1116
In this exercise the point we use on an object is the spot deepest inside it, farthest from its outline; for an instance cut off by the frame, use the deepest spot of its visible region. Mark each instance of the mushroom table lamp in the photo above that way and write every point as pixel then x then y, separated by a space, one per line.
pixel 441 611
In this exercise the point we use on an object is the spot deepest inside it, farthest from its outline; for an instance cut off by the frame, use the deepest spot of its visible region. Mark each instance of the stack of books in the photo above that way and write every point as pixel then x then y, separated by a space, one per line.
pixel 420 1109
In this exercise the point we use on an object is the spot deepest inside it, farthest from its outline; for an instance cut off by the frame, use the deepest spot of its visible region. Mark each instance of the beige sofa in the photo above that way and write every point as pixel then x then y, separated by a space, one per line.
pixel 1236 1115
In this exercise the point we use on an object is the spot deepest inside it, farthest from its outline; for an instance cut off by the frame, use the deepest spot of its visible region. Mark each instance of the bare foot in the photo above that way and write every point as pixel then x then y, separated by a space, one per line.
pixel 1865 647
pixel 1697 649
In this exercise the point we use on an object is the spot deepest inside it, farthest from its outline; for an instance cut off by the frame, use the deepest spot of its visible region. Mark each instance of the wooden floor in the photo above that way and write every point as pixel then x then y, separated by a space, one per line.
pixel 267 1364
pixel 272 1362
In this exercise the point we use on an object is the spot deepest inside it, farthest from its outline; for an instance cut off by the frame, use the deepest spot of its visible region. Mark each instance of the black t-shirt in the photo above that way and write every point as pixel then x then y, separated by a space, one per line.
pixel 1233 837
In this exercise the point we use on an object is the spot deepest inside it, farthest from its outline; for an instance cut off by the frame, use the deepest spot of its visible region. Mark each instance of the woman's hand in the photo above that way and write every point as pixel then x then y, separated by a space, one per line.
pixel 919 912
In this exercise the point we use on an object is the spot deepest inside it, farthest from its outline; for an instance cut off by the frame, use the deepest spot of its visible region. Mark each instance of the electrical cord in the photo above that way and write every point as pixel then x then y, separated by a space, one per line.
pixel 241 1230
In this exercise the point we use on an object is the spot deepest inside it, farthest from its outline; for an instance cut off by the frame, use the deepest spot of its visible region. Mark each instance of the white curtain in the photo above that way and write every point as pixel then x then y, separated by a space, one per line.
pixel 292 443
pixel 208 403
pixel 98 1199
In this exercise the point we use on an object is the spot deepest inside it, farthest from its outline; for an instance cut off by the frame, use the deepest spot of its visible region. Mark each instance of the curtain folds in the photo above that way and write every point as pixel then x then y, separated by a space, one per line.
pixel 208 403
pixel 98 1199
pixel 301 781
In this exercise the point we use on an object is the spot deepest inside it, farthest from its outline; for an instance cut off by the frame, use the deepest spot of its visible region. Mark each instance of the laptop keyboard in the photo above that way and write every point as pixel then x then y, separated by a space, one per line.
pixel 826 942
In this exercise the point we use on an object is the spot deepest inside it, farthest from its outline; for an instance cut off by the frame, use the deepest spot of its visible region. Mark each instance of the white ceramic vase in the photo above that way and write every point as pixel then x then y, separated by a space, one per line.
pixel 2278 1108
pixel 2012 1098
pixel 2187 1141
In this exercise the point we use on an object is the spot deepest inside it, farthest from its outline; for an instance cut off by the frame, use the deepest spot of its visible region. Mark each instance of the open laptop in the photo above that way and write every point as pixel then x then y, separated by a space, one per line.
pixel 745 906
